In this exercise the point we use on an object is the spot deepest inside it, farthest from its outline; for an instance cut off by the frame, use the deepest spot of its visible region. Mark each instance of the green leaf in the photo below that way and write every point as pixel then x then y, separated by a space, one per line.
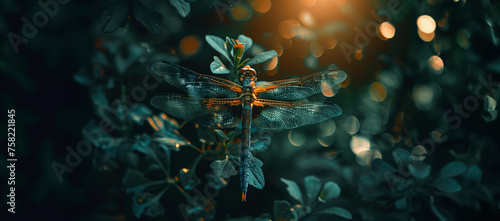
pixel 223 168
pixel 421 171
pixel 217 44
pixel 188 179
pixel 125 58
pixel 336 211
pixel 215 182
pixel 282 210
pixel 148 17
pixel 246 41
pixel 380 166
pixel 440 212
pixel 149 204
pixel 182 7
pixel 489 103
pixel 447 185
pixel 313 185
pixel 135 182
pixel 401 204
pixel 473 175
pixel 262 57
pixel 452 169
pixel 293 190
pixel 401 156
pixel 115 15
pixel 229 47
pixel 256 177
pixel 330 190
pixel 217 67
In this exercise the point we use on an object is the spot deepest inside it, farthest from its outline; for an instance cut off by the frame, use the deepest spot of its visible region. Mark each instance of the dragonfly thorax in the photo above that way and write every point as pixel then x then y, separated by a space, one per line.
pixel 247 73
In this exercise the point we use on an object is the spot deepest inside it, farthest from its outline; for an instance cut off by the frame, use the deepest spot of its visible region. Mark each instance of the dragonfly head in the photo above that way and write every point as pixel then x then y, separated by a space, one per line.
pixel 247 72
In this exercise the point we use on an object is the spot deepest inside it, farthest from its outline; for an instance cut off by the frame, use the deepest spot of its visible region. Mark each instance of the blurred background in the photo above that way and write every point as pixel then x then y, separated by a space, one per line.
pixel 418 137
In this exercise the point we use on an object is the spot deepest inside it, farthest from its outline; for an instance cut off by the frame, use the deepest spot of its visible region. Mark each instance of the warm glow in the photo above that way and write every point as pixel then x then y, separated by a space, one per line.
pixel 308 3
pixel 423 94
pixel 359 144
pixel 359 53
pixel 190 45
pixel 425 37
pixel 289 28
pixel 346 82
pixel 377 92
pixel 306 18
pixel 316 49
pixel 366 157
pixel 330 42
pixel 261 6
pixel 272 72
pixel 278 48
pixel 436 64
pixel 386 31
pixel 240 12
pixel 271 64
pixel 426 24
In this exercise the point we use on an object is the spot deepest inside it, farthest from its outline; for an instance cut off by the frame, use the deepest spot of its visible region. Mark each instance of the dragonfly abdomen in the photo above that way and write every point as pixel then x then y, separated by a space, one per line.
pixel 245 149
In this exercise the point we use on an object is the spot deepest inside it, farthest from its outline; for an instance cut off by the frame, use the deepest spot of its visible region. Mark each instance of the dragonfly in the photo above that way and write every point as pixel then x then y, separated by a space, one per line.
pixel 220 103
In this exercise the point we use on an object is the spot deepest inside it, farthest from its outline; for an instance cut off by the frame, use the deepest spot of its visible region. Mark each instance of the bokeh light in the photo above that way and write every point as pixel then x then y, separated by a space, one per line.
pixel 427 37
pixel 425 95
pixel 307 18
pixel 386 31
pixel 241 12
pixel 436 64
pixel 327 128
pixel 329 41
pixel 326 141
pixel 378 92
pixel 190 45
pixel 271 64
pixel 296 137
pixel 316 49
pixel 366 157
pixel 351 125
pixel 358 54
pixel 426 24
pixel 308 3
pixel 289 28
pixel 418 153
pixel 359 144
pixel 260 6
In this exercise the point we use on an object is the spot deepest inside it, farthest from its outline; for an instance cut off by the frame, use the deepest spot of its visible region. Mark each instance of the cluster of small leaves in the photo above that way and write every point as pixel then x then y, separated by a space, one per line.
pixel 316 202
pixel 412 186
pixel 145 157
pixel 117 13
pixel 233 52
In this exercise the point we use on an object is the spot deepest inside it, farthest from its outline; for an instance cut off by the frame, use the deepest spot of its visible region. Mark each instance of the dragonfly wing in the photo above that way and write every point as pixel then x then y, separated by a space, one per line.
pixel 207 112
pixel 294 89
pixel 289 115
pixel 193 83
